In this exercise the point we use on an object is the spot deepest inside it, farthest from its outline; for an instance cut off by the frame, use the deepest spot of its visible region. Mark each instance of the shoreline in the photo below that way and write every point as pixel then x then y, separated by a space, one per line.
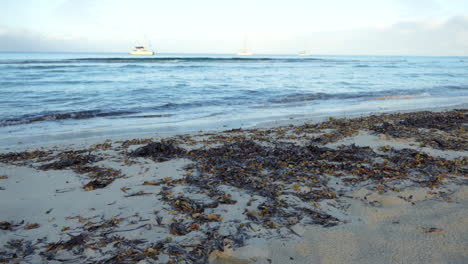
pixel 95 136
pixel 362 190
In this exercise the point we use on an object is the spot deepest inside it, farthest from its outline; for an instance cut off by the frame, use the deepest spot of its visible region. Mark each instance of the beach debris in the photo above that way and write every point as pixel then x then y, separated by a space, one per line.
pixel 18 249
pixel 22 157
pixel 214 217
pixel 178 228
pixel 189 206
pixel 74 241
pixel 5 225
pixel 71 159
pixel 432 230
pixel 9 226
pixel 136 141
pixel 159 151
pixel 139 193
pixel 104 146
pixel 31 226
pixel 101 177
pixel 165 181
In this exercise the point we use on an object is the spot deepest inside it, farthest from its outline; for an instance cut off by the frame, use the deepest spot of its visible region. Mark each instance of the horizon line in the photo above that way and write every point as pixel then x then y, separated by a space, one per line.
pixel 234 54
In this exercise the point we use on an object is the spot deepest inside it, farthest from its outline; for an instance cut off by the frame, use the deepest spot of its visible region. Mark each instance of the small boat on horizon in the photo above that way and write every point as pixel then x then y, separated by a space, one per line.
pixel 244 51
pixel 304 51
pixel 142 50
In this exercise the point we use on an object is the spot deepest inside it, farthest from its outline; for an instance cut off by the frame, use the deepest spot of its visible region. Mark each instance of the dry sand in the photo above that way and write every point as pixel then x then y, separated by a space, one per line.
pixel 395 231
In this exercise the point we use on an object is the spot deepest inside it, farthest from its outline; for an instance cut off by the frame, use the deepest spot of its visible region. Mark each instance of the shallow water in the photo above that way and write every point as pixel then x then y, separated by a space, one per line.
pixel 52 95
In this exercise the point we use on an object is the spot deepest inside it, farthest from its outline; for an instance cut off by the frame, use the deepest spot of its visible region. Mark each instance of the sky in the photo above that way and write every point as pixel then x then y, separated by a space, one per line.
pixel 352 27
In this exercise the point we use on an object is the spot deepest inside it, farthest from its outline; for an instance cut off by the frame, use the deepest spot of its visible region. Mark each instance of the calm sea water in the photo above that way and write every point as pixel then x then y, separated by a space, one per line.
pixel 65 95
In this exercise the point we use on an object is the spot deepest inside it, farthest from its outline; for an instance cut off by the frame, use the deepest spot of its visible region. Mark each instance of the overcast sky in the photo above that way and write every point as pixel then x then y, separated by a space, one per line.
pixel 372 27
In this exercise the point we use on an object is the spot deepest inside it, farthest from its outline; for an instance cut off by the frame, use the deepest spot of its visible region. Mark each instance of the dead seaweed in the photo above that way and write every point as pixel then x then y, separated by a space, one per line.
pixel 158 151
pixel 71 159
pixel 74 241
pixel 101 177
pixel 18 250
pixel 291 179
pixel 9 226
pixel 15 157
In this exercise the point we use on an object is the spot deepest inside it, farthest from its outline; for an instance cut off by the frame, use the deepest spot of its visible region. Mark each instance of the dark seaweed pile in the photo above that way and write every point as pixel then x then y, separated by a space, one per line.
pixel 158 151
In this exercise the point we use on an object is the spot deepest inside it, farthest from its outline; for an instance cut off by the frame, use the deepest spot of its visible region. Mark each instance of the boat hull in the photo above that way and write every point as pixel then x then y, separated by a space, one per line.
pixel 142 52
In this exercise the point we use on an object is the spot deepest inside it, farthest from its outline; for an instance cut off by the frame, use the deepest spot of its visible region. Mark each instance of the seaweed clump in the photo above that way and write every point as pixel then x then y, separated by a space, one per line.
pixel 78 161
pixel 71 159
pixel 159 151
pixel 14 157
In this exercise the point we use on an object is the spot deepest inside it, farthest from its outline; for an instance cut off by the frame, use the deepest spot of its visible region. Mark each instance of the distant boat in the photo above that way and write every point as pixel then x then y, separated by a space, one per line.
pixel 142 50
pixel 304 51
pixel 244 51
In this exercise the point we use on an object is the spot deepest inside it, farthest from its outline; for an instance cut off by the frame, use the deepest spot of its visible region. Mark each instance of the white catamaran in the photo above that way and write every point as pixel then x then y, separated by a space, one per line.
pixel 142 50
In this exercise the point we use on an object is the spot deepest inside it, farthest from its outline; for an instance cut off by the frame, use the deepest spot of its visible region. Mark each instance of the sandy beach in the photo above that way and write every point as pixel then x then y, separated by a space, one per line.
pixel 386 188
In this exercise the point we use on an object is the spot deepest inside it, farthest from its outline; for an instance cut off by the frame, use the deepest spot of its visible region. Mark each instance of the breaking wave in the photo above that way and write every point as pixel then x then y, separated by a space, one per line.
pixel 31 118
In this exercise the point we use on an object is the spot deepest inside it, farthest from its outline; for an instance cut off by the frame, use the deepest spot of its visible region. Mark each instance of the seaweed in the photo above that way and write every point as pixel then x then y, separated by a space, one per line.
pixel 158 151
pixel 288 173
pixel 71 159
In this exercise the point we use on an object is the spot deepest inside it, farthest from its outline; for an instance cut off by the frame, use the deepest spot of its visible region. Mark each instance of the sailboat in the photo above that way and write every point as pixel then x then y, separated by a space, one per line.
pixel 244 51
pixel 304 52
pixel 142 50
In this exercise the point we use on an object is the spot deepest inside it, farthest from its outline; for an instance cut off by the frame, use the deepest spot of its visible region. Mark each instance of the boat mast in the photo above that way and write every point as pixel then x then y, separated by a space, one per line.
pixel 245 42
pixel 148 44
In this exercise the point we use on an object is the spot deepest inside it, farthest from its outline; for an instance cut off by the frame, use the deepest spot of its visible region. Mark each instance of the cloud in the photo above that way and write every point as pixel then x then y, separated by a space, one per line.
pixel 429 37
pixel 19 40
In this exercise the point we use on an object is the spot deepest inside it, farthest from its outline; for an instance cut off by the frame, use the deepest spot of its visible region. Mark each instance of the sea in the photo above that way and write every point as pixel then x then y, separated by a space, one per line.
pixel 46 97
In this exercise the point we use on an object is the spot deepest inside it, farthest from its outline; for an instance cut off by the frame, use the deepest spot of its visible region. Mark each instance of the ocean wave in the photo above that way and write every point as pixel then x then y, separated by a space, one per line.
pixel 132 66
pixel 195 59
pixel 49 67
pixel 158 60
pixel 32 118
pixel 456 87
pixel 361 66
pixel 151 116
pixel 303 97
pixel 172 106
pixel 31 61
pixel 377 95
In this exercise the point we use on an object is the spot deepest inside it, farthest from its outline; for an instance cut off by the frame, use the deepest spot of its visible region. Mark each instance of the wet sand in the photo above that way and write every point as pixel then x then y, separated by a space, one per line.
pixel 379 189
